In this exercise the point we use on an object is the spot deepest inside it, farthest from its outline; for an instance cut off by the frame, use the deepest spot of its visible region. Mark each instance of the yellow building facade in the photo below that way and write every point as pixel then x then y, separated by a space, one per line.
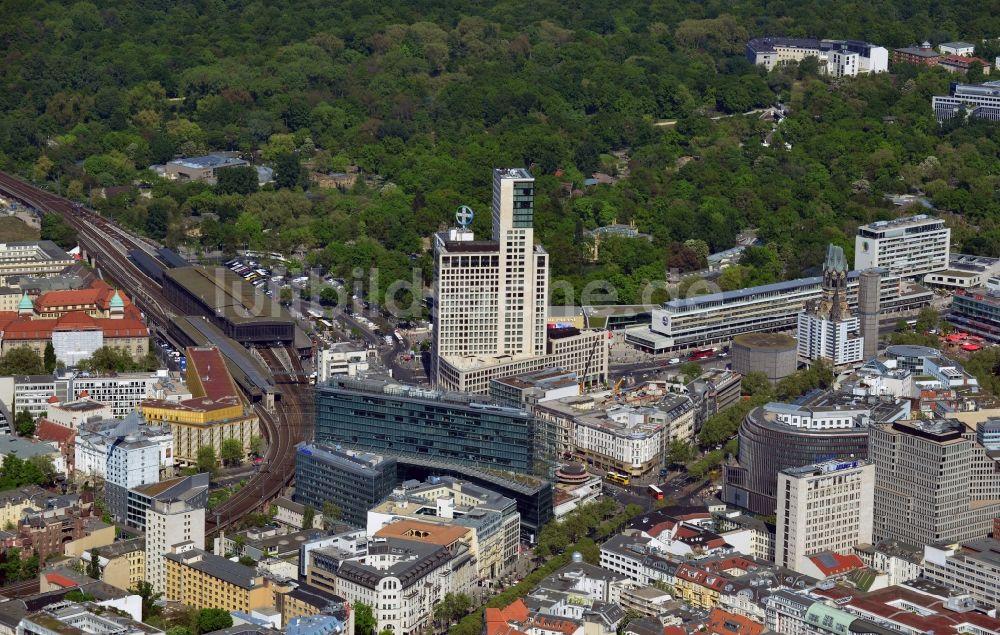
pixel 124 564
pixel 94 540
pixel 215 413
pixel 205 581
pixel 193 430
pixel 11 507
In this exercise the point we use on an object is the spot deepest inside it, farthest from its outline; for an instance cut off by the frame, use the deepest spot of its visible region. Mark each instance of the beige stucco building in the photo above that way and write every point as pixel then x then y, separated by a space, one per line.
pixel 821 508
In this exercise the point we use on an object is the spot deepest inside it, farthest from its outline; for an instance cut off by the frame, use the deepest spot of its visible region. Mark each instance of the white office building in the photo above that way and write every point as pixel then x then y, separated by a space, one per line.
pixel 629 437
pixel 838 58
pixel 843 63
pixel 823 507
pixel 965 271
pixel 125 454
pixel 73 414
pixel 341 359
pixel 908 247
pixel 133 461
pixel 972 567
pixel 122 392
pixel 491 300
pixel 977 101
pixel 835 341
pixel 963 49
pixel 401 580
pixel 716 317
pixel 168 524
pixel 491 295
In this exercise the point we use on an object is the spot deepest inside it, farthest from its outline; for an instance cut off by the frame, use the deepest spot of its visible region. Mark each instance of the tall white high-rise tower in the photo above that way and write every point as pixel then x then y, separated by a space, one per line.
pixel 524 269
pixel 491 299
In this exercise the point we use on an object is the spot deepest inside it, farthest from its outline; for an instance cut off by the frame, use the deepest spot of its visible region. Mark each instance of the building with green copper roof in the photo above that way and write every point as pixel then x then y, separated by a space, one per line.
pixel 829 619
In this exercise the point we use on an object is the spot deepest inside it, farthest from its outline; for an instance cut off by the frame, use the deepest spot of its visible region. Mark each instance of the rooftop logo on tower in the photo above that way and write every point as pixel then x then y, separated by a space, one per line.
pixel 464 216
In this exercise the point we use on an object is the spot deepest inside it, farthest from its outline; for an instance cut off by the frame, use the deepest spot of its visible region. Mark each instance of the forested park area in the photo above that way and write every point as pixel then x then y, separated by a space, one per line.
pixel 423 98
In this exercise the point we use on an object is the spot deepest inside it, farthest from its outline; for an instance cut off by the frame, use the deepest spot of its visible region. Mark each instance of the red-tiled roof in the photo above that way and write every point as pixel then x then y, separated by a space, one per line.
pixel 73 321
pixel 725 623
pixel 496 625
pixel 506 621
pixel 836 563
pixel 25 328
pixel 702 578
pixel 516 611
pixel 729 562
pixel 61 580
pixel 209 380
pixel 197 404
pixel 940 620
pixel 52 431
pixel 659 528
pixel 964 62
pixel 686 531
pixel 98 295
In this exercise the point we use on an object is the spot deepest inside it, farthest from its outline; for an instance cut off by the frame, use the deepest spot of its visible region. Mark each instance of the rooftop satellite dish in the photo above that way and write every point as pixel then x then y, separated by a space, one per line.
pixel 464 216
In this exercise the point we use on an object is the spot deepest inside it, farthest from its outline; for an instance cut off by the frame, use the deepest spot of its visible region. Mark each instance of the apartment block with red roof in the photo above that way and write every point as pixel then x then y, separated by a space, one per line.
pixel 515 619
pixel 63 437
pixel 725 623
pixel 962 64
pixel 831 565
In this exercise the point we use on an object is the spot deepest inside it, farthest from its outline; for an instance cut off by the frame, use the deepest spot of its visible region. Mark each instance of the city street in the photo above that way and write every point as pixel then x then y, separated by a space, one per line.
pixel 677 485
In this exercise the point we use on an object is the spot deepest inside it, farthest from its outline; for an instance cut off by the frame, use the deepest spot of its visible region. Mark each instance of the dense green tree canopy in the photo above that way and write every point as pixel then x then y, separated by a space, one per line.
pixel 413 102
pixel 213 620
pixel 22 360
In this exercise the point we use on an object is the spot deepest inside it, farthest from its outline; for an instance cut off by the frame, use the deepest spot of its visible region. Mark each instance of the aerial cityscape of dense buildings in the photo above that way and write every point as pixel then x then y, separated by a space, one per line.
pixel 726 362
pixel 408 496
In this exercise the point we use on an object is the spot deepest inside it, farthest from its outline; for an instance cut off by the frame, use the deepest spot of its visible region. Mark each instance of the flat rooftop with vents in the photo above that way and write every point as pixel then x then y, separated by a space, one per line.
pixel 229 302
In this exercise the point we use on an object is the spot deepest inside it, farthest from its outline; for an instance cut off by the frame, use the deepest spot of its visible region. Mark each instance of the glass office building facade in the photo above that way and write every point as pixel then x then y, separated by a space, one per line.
pixel 407 421
pixel 353 481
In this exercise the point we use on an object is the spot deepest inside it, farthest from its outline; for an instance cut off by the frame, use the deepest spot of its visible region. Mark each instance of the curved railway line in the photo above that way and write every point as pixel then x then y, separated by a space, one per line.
pixel 108 245
pixel 288 425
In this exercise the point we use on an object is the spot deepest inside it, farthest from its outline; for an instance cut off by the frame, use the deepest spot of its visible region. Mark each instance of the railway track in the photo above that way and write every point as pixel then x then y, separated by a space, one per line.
pixel 289 424
pixel 107 243
pixel 20 589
